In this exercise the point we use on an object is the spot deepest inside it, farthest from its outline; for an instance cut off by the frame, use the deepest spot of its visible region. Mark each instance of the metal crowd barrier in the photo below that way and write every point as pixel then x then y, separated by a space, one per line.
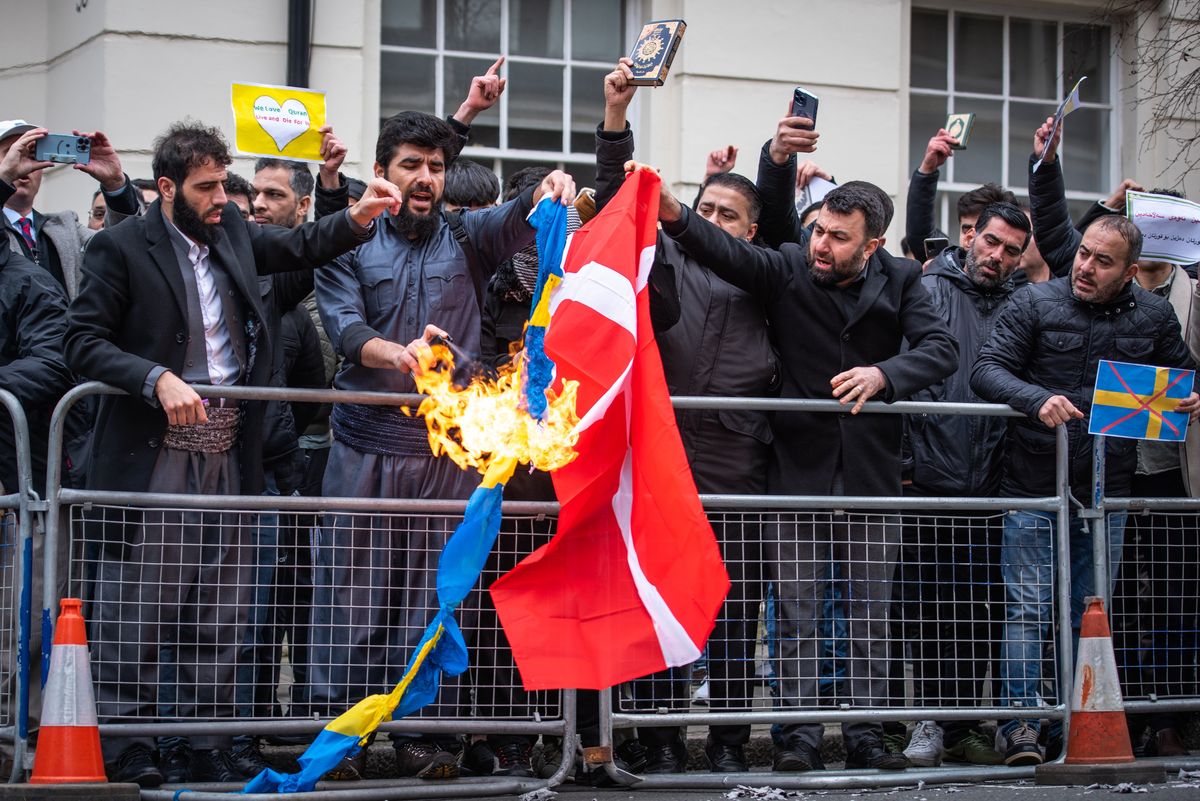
pixel 1153 600
pixel 977 520
pixel 462 707
pixel 16 582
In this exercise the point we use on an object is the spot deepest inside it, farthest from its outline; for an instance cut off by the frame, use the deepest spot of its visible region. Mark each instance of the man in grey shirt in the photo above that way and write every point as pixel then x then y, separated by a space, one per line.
pixel 417 269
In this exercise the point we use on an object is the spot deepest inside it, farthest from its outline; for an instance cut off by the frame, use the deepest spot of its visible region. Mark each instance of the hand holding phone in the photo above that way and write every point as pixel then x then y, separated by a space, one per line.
pixel 64 149
pixel 804 104
pixel 935 245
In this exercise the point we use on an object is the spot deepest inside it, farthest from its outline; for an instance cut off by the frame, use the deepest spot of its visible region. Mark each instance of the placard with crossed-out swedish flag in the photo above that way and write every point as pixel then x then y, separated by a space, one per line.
pixel 1138 401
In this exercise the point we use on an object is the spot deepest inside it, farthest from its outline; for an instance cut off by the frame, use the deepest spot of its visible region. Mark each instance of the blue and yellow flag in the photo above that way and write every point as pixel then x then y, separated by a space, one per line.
pixel 441 650
pixel 1138 401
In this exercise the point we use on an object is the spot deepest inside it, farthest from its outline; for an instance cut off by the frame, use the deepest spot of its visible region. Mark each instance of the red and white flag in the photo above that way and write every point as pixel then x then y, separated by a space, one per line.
pixel 633 581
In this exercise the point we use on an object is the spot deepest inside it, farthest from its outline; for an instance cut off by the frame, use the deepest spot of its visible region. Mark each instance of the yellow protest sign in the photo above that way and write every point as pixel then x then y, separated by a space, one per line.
pixel 277 121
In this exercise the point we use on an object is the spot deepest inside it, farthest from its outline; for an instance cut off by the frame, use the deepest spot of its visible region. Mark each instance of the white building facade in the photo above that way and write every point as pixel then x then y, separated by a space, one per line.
pixel 887 72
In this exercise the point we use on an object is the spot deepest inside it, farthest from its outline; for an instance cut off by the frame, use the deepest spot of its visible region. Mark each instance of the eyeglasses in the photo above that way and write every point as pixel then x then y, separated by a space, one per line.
pixel 98 213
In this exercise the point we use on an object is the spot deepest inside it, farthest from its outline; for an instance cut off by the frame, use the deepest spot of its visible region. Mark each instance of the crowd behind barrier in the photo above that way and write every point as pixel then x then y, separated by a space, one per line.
pixel 500 705
pixel 256 556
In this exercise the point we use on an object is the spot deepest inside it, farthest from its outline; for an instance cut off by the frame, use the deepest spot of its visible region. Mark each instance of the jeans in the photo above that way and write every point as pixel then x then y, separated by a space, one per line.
pixel 1027 557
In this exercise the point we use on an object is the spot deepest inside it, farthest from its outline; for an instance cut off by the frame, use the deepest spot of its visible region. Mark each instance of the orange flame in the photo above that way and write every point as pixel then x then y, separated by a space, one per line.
pixel 487 421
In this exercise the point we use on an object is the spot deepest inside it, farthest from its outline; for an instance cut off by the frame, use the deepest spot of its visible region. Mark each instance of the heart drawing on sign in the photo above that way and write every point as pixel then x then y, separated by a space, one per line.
pixel 283 123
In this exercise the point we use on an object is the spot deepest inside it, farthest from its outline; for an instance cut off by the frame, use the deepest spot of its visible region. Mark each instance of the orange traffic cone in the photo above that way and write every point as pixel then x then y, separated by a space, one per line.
pixel 1098 733
pixel 1098 748
pixel 68 749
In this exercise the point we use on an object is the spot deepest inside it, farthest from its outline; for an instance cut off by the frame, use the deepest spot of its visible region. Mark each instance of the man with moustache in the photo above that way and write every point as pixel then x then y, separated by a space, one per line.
pixel 842 310
pixel 167 300
pixel 953 565
pixel 414 272
pixel 1042 359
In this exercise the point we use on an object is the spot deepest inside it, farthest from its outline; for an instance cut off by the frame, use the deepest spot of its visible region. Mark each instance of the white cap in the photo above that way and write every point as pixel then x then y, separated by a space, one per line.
pixel 14 128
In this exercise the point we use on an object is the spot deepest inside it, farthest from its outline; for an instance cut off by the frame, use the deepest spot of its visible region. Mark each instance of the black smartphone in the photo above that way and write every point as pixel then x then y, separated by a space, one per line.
pixel 64 149
pixel 804 104
pixel 935 245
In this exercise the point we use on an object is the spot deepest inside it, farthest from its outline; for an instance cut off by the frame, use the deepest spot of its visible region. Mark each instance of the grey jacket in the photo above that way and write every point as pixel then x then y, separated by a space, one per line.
pixel 68 235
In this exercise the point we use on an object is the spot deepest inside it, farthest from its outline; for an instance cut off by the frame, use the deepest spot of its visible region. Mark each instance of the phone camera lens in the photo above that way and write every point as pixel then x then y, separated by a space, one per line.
pixel 84 143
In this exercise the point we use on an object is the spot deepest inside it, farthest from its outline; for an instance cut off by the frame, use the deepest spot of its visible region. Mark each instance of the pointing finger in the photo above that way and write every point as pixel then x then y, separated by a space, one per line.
pixel 492 70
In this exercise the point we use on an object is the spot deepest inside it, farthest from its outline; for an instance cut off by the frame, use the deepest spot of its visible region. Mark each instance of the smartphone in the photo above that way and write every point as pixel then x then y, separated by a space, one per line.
pixel 804 104
pixel 64 149
pixel 935 245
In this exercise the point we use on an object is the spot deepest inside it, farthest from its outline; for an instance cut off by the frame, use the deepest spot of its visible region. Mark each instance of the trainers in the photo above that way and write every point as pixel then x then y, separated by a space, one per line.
pixel 425 760
pixel 895 742
pixel 701 694
pixel 1021 746
pixel 925 746
pixel 973 748
pixel 135 765
pixel 247 759
pixel 514 758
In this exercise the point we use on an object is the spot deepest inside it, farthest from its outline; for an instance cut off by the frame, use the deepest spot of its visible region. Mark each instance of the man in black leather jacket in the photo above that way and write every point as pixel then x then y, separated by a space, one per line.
pixel 1042 359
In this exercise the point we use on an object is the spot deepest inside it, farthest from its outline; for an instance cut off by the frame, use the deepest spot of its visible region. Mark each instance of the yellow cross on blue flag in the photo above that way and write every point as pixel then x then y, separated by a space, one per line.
pixel 1138 401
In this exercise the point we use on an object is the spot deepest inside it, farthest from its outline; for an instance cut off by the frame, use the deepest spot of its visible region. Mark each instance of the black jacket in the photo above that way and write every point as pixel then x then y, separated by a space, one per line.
pixel 1057 240
pixel 958 455
pixel 919 212
pixel 778 222
pixel 713 340
pixel 1045 343
pixel 129 318
pixel 33 320
pixel 816 343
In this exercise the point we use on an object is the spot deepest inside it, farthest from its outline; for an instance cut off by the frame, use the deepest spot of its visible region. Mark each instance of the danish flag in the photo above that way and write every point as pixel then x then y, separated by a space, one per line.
pixel 633 580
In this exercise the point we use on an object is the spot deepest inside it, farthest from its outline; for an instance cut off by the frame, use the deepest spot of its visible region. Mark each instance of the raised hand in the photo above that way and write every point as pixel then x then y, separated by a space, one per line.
pixel 719 161
pixel 381 196
pixel 484 92
pixel 940 148
pixel 333 151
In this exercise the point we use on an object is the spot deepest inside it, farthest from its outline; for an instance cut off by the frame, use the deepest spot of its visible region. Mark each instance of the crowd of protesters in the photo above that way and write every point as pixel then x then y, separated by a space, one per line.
pixel 201 276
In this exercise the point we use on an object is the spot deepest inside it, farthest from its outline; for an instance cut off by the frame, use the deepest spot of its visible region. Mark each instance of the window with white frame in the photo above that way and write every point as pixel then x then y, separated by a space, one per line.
pixel 556 55
pixel 1011 71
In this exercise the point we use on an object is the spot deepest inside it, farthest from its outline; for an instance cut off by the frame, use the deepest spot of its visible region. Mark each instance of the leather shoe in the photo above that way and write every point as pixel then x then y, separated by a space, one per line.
pixel 213 766
pixel 1165 743
pixel 668 758
pixel 725 758
pixel 870 753
pixel 797 757
pixel 247 759
pixel 135 765
pixel 173 764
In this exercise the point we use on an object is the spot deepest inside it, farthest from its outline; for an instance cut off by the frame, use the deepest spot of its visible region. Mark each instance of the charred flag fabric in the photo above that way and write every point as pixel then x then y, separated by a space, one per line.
pixel 633 580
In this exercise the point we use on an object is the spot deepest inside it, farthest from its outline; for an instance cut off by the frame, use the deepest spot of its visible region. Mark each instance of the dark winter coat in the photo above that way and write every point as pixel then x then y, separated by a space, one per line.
pixel 816 342
pixel 958 455
pixel 1045 343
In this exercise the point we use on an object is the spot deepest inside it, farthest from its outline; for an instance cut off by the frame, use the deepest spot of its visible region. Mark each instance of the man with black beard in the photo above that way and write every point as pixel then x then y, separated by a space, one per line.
pixel 168 300
pixel 953 564
pixel 842 310
pixel 414 272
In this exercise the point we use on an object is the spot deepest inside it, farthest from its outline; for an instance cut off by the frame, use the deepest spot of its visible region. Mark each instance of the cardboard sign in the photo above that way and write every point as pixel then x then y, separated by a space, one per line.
pixel 279 122
pixel 1170 227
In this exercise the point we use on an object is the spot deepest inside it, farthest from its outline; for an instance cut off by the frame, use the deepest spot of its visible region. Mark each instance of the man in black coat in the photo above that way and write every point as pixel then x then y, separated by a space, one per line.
pixel 842 310
pixel 167 300
pixel 1042 359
